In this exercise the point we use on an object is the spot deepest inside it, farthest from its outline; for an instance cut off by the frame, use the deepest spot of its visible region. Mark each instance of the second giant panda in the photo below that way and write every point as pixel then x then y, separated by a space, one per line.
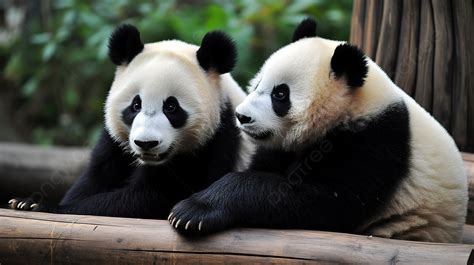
pixel 170 128
pixel 341 148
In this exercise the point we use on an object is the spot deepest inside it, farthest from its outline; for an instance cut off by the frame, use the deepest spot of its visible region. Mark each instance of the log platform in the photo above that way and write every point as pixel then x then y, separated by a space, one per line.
pixel 41 238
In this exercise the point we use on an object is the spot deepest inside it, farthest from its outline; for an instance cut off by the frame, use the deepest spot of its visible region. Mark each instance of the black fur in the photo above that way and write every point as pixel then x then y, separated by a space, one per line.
pixel 129 113
pixel 335 185
pixel 217 52
pixel 281 106
pixel 306 29
pixel 350 62
pixel 179 116
pixel 111 186
pixel 124 44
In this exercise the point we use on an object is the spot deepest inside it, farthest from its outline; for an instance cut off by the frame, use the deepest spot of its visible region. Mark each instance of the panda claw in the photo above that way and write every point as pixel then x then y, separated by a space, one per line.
pixel 34 205
pixel 177 223
pixel 169 216
pixel 187 225
pixel 20 205
pixel 200 225
pixel 11 201
pixel 172 222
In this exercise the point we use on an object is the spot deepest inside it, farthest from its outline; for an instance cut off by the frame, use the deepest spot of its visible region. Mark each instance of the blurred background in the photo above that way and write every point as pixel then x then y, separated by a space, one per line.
pixel 53 53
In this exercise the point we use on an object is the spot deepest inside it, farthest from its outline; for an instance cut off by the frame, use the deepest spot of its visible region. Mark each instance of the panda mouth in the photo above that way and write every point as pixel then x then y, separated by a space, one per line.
pixel 258 135
pixel 149 157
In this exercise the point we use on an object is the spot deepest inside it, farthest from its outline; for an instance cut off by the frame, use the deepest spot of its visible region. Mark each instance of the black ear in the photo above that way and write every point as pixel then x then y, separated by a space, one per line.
pixel 124 44
pixel 306 29
pixel 350 61
pixel 217 52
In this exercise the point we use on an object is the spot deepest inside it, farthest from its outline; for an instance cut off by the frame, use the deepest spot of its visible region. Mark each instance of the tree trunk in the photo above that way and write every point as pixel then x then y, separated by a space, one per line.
pixel 424 46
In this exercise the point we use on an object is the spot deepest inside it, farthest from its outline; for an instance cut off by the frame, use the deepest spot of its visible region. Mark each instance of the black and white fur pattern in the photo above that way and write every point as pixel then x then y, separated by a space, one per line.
pixel 341 148
pixel 170 128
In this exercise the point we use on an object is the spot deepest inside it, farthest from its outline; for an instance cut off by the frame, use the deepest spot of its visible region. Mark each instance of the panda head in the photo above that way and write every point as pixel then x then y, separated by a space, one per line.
pixel 303 90
pixel 165 98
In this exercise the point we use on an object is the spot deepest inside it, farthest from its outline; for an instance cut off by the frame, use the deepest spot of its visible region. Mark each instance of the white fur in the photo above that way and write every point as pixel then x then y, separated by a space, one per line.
pixel 430 204
pixel 161 70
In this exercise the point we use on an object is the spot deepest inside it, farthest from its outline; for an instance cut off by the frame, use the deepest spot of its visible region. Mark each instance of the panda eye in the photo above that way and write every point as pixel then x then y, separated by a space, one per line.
pixel 170 105
pixel 136 104
pixel 280 92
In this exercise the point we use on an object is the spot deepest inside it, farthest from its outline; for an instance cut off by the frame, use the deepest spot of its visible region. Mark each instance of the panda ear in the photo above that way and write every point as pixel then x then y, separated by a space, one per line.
pixel 217 52
pixel 306 29
pixel 124 44
pixel 350 62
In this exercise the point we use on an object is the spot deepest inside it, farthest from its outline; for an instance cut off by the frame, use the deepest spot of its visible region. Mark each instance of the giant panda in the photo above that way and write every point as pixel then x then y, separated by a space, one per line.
pixel 170 128
pixel 341 148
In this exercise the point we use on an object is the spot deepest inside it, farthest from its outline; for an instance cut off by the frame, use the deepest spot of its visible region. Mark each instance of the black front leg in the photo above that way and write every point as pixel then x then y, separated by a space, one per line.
pixel 259 199
pixel 135 202
pixel 248 198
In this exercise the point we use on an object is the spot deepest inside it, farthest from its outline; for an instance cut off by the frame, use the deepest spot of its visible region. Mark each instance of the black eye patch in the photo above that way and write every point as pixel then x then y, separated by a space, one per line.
pixel 281 100
pixel 129 113
pixel 173 111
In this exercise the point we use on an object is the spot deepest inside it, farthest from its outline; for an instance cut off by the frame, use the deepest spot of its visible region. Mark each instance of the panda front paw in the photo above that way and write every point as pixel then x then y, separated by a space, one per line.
pixel 194 216
pixel 23 204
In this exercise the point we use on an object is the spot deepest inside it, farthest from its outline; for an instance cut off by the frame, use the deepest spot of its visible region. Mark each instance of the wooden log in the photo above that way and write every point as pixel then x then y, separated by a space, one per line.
pixel 462 125
pixel 372 27
pixel 436 71
pixel 40 238
pixel 357 23
pixel 405 70
pixel 443 62
pixel 387 47
pixel 40 172
pixel 424 76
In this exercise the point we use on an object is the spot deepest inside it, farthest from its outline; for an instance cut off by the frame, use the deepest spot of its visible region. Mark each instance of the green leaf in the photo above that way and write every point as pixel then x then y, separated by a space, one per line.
pixel 301 5
pixel 48 51
pixel 40 38
pixel 30 87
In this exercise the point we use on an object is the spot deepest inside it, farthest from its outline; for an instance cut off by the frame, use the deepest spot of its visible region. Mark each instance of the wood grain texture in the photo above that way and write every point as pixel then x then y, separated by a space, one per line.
pixel 423 93
pixel 407 61
pixel 373 18
pixel 41 172
pixel 443 62
pixel 357 23
pixel 39 238
pixel 424 47
pixel 462 125
pixel 387 47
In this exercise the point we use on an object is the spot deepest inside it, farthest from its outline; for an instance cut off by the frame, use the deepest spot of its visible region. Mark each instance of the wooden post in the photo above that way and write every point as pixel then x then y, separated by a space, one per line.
pixel 423 45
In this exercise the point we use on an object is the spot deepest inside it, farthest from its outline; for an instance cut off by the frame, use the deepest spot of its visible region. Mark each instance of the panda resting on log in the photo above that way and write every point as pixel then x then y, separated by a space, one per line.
pixel 340 148
pixel 170 129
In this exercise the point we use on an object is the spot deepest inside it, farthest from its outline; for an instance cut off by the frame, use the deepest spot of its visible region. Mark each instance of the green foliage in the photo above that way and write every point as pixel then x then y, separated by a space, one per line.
pixel 60 72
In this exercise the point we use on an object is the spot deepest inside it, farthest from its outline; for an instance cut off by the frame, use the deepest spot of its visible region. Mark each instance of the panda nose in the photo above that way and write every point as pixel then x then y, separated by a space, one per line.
pixel 146 145
pixel 243 119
